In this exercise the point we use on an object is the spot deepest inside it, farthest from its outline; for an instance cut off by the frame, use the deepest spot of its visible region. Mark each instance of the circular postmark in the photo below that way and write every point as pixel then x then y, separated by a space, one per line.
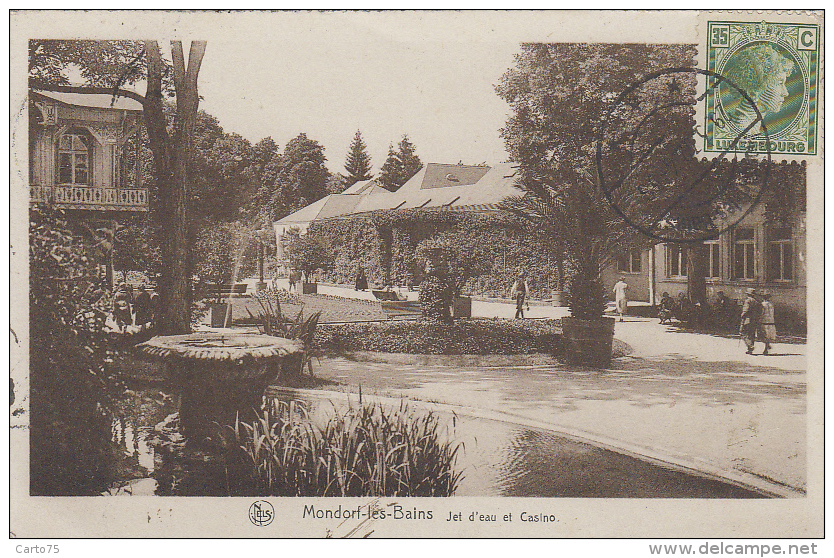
pixel 648 167
pixel 261 513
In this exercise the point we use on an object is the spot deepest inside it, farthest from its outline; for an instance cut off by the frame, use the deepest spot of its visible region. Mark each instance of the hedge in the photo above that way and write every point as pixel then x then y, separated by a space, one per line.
pixel 506 247
pixel 463 337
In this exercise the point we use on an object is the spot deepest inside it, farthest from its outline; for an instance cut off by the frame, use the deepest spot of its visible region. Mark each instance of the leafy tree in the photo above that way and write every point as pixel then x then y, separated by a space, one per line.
pixel 300 179
pixel 112 64
pixel 309 253
pixel 400 165
pixel 220 249
pixel 108 65
pixel 559 95
pixel 172 155
pixel 358 162
pixel 336 183
pixel 464 255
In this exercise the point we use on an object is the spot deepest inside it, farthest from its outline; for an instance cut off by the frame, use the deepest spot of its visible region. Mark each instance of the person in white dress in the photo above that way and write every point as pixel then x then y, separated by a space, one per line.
pixel 768 323
pixel 620 297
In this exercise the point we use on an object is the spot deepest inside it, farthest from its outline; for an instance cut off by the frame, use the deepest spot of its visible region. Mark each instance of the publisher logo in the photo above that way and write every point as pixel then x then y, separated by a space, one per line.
pixel 261 513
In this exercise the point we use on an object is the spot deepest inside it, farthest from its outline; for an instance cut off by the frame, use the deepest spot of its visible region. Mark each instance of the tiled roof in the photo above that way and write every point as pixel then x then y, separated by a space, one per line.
pixel 93 100
pixel 360 186
pixel 479 189
pixel 438 175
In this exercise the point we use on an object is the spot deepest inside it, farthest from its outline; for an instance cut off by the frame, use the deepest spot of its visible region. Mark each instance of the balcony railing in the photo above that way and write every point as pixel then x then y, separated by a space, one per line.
pixel 90 197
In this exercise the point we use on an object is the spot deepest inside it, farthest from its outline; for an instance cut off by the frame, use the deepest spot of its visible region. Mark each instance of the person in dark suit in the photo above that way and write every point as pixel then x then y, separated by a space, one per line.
pixel 751 317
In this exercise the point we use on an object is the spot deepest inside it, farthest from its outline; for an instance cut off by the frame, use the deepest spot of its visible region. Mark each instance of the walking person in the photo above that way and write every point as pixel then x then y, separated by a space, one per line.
pixel 294 277
pixel 768 323
pixel 361 280
pixel 519 292
pixel 142 307
pixel 751 317
pixel 620 297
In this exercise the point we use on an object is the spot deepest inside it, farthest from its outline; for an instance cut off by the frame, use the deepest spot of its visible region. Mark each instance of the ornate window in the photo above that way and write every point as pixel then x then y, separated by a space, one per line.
pixel 744 248
pixel 74 150
pixel 780 254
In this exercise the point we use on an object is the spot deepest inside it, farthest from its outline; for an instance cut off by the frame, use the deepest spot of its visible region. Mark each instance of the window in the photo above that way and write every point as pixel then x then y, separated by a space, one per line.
pixel 74 159
pixel 630 262
pixel 675 261
pixel 744 254
pixel 780 254
pixel 714 262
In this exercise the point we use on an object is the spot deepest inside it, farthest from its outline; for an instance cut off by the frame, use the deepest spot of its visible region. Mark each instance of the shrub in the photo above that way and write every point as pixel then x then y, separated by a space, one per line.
pixel 586 297
pixel 463 337
pixel 363 451
pixel 273 322
pixel 70 385
pixel 309 253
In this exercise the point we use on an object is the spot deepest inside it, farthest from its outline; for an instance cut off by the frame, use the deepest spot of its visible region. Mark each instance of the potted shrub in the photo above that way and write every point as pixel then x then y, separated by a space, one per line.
pixel 435 289
pixel 458 256
pixel 309 253
pixel 213 265
pixel 588 335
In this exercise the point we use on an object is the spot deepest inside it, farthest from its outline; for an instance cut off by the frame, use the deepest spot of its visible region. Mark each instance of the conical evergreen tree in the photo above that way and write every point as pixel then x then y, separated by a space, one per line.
pixel 389 174
pixel 358 162
pixel 400 165
pixel 409 161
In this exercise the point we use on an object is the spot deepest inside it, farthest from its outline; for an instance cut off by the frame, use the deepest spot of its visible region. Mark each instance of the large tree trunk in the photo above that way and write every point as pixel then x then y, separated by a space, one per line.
pixel 696 272
pixel 171 164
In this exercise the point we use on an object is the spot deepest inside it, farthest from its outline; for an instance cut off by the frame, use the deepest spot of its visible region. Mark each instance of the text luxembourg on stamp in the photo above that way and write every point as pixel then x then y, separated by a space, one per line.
pixel 776 65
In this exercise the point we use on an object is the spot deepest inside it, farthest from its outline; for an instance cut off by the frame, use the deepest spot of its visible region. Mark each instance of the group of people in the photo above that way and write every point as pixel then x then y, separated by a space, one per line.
pixel 758 320
pixel 142 310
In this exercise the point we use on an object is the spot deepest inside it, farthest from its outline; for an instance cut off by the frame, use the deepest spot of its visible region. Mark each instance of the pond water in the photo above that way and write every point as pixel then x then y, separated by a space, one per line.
pixel 496 458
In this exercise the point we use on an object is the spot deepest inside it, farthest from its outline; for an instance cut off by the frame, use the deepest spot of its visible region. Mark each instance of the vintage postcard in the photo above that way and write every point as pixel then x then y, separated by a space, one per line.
pixel 417 274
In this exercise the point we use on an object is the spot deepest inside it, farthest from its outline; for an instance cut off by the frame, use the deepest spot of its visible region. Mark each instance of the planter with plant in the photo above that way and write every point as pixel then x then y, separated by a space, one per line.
pixel 460 258
pixel 309 253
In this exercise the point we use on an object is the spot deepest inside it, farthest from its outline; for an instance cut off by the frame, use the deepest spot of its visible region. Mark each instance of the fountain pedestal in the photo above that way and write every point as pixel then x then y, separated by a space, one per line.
pixel 221 376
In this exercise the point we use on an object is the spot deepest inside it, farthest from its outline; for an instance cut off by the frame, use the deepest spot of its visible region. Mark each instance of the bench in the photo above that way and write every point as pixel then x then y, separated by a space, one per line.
pixel 401 309
pixel 385 295
pixel 224 290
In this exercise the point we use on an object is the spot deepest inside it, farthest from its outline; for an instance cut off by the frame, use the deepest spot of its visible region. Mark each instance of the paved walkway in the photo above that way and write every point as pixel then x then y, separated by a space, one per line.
pixel 691 399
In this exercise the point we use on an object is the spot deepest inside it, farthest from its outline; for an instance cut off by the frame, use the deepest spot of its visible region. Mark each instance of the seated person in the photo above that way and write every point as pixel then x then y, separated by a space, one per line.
pixel 667 306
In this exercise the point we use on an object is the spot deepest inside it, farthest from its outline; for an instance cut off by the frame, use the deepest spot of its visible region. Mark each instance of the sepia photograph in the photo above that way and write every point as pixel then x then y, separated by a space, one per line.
pixel 416 274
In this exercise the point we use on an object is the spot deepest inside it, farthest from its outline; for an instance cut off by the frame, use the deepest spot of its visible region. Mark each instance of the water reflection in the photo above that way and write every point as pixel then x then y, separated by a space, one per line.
pixel 497 459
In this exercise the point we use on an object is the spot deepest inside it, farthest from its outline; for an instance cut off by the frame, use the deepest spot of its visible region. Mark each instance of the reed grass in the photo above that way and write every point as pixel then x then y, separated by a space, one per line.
pixel 364 450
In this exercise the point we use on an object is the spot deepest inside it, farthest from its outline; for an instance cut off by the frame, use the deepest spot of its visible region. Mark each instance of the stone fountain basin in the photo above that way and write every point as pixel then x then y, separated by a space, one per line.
pixel 221 377
pixel 222 356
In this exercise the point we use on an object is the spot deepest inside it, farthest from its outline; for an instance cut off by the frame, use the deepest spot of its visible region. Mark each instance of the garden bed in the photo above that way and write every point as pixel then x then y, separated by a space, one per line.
pixel 464 337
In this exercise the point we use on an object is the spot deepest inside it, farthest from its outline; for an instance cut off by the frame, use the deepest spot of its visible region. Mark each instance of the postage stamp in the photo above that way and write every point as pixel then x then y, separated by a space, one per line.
pixel 776 65
pixel 417 274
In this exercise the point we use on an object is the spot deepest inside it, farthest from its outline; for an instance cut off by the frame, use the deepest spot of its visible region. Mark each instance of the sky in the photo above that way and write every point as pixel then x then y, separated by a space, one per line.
pixel 440 93
pixel 430 75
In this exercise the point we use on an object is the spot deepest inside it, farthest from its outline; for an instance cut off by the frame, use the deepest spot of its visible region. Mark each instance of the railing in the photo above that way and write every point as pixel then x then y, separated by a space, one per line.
pixel 89 197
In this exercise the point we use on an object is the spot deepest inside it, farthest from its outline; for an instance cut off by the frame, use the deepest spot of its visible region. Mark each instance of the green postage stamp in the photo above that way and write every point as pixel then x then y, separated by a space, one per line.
pixel 766 96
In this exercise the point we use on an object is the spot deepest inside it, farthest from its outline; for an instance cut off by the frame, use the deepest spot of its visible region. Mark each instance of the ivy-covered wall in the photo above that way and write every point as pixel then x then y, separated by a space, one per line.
pixel 384 243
